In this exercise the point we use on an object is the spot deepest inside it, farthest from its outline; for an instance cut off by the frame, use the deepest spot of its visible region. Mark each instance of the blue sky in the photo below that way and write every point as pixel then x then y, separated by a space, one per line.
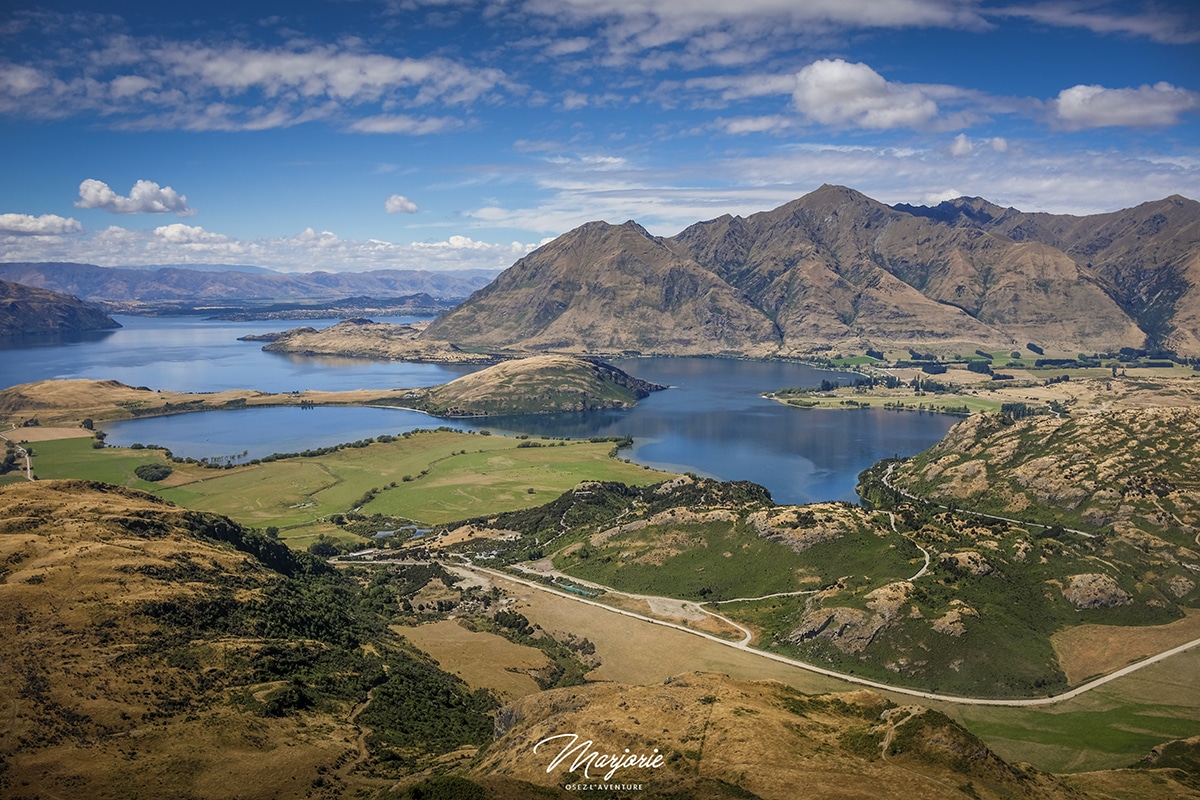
pixel 446 134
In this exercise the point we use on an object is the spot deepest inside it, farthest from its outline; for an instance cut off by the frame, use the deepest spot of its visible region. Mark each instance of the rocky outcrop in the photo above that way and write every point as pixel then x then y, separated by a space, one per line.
pixel 1095 590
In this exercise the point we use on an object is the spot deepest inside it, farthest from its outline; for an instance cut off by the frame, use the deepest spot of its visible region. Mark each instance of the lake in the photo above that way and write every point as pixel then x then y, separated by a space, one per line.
pixel 711 421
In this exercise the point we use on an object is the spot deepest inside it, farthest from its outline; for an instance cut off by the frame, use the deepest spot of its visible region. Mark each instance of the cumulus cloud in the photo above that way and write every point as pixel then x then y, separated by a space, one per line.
pixel 146 197
pixel 178 233
pixel 45 225
pixel 961 146
pixel 1097 106
pixel 836 92
pixel 306 251
pixel 399 204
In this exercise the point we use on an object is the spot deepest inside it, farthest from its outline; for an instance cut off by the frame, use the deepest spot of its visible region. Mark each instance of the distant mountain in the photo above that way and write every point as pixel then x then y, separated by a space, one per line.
pixel 130 287
pixel 27 309
pixel 836 269
pixel 209 268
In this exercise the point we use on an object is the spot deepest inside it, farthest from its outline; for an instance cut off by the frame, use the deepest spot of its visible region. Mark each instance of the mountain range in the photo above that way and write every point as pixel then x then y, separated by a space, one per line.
pixel 124 286
pixel 836 269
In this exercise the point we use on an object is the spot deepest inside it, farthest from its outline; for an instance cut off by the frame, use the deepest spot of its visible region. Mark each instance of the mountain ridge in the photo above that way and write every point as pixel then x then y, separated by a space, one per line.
pixel 837 269
pixel 28 309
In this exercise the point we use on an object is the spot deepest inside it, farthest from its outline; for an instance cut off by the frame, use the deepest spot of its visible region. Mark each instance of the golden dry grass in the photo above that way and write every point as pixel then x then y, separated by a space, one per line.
pixel 88 711
pixel 1086 651
pixel 483 660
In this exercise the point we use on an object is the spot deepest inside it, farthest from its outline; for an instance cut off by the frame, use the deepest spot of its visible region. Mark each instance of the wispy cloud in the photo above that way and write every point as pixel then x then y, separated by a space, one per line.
pixel 1152 21
pixel 146 197
pixel 155 83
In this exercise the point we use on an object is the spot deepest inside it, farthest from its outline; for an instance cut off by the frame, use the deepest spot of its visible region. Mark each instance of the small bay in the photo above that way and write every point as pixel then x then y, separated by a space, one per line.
pixel 712 421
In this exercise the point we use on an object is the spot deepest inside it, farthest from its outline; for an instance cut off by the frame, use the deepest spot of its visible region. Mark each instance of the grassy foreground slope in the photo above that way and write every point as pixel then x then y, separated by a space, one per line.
pixel 151 651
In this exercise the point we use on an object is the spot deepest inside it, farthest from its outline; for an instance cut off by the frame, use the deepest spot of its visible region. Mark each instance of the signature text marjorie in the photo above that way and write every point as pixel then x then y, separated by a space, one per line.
pixel 588 758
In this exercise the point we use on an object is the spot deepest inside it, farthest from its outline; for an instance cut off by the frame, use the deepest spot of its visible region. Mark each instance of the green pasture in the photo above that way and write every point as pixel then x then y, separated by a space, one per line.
pixel 431 477
pixel 1109 727
pixel 909 402
pixel 723 560
pixel 76 458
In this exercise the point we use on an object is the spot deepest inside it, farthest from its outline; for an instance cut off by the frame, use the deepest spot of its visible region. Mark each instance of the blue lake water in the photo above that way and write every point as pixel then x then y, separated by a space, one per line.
pixel 711 421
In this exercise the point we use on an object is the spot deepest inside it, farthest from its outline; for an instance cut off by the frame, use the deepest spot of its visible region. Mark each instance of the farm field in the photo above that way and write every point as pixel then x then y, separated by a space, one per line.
pixel 429 478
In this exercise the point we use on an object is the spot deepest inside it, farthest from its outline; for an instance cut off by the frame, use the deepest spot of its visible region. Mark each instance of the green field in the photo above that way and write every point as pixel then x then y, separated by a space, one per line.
pixel 955 403
pixel 722 560
pixel 431 477
pixel 76 458
pixel 1109 727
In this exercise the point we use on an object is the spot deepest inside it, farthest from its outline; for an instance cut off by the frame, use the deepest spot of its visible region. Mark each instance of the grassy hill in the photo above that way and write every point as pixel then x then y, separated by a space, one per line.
pixel 536 385
pixel 1134 473
pixel 841 586
pixel 152 651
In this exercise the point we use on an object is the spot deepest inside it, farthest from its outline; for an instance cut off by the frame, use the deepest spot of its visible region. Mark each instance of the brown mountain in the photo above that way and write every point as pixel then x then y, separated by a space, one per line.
pixel 838 269
pixel 26 309
pixel 610 289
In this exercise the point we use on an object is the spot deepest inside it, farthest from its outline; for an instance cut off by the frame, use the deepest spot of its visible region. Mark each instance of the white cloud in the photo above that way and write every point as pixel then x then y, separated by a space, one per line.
pixel 326 71
pixel 178 233
pixel 399 204
pixel 146 197
pixel 640 24
pixel 573 101
pixel 961 146
pixel 566 47
pixel 1152 22
pixel 402 123
pixel 933 198
pixel 18 81
pixel 307 251
pixel 836 92
pixel 154 83
pixel 1097 106
pixel 45 225
pixel 743 125
pixel 999 144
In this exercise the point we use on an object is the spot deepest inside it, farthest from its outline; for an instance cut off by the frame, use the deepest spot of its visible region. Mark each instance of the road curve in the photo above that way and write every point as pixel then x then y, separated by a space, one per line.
pixel 744 645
